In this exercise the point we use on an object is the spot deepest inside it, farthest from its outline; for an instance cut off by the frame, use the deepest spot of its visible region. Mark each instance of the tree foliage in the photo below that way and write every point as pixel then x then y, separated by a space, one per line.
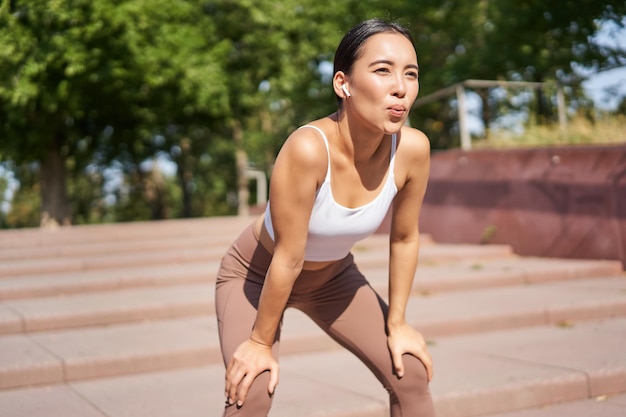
pixel 214 87
pixel 529 40
pixel 97 81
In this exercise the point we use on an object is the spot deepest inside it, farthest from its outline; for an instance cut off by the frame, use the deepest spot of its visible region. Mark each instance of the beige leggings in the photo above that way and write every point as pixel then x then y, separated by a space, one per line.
pixel 339 299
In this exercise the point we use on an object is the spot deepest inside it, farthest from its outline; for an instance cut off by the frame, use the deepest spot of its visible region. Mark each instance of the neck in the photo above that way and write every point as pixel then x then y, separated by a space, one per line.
pixel 359 143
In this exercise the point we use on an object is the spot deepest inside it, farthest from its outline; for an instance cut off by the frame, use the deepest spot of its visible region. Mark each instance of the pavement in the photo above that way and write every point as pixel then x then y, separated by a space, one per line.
pixel 118 321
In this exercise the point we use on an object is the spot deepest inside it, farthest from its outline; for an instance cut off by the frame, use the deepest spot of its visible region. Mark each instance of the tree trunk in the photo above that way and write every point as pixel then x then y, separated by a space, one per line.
pixel 55 208
pixel 540 106
pixel 544 109
pixel 243 194
pixel 155 193
pixel 184 177
pixel 486 111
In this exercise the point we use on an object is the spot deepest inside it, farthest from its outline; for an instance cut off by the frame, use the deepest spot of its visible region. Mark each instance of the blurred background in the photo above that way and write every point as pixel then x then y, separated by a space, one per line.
pixel 126 110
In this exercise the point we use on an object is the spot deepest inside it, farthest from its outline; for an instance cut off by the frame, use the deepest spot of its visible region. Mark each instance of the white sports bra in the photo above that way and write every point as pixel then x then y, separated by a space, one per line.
pixel 333 228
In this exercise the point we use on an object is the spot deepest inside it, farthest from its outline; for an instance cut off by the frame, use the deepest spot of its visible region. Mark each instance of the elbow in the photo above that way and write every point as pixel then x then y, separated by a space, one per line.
pixel 288 260
pixel 295 264
pixel 405 235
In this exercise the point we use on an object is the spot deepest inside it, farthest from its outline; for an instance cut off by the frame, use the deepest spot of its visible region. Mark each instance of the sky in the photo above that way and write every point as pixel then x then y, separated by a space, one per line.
pixel 598 84
pixel 606 89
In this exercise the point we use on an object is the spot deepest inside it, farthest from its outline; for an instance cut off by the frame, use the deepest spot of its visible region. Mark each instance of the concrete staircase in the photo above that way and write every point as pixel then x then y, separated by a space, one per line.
pixel 118 321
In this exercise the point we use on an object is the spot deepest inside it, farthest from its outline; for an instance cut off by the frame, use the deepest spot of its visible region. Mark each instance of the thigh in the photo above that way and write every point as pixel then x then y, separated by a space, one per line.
pixel 357 320
pixel 238 288
pixel 237 294
pixel 236 304
pixel 236 312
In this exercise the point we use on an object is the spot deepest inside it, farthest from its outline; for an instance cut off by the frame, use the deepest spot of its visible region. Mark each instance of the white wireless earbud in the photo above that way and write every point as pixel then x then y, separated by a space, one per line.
pixel 345 90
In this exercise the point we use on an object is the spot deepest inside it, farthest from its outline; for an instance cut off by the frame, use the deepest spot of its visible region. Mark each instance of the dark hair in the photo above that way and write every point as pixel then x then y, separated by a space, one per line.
pixel 351 46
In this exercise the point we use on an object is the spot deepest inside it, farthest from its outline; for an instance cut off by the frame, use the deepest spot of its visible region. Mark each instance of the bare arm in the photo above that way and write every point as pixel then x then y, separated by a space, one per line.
pixel 292 194
pixel 404 248
pixel 294 182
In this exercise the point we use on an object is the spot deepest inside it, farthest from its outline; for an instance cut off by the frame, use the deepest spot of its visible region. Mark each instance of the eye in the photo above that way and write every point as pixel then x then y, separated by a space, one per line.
pixel 412 74
pixel 382 70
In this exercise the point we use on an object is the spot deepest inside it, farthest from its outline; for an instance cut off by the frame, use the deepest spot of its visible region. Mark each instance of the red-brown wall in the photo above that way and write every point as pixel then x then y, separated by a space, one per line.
pixel 556 202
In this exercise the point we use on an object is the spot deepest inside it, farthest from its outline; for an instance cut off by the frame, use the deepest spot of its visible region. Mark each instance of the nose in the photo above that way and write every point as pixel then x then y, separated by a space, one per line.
pixel 399 87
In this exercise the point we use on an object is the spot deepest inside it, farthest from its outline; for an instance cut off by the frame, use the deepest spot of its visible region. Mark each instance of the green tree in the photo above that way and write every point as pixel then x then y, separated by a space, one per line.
pixel 4 190
pixel 186 84
pixel 542 41
pixel 502 40
pixel 97 80
pixel 26 202
pixel 63 77
pixel 278 51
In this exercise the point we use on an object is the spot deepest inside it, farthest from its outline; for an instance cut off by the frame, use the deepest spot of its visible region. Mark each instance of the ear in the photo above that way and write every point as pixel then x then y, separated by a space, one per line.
pixel 340 84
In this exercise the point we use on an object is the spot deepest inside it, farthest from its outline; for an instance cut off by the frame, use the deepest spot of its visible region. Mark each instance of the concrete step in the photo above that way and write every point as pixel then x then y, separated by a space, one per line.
pixel 84 282
pixel 117 320
pixel 95 249
pixel 532 369
pixel 130 237
pixel 434 275
pixel 109 261
pixel 600 406
pixel 482 308
pixel 142 330
pixel 369 253
pixel 33 239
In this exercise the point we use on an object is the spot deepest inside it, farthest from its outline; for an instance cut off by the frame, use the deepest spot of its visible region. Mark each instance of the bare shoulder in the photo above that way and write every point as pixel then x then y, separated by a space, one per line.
pixel 304 151
pixel 413 145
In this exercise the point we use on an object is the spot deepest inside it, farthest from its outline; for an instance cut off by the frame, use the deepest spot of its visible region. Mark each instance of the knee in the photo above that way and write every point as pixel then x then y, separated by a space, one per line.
pixel 410 395
pixel 414 383
pixel 258 401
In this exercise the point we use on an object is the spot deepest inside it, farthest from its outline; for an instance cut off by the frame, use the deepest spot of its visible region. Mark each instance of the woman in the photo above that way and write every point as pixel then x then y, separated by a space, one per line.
pixel 332 185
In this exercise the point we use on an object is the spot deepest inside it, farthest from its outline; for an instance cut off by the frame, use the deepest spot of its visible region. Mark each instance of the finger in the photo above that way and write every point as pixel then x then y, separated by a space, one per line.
pixel 398 363
pixel 229 375
pixel 429 368
pixel 273 379
pixel 227 378
pixel 425 358
pixel 234 384
pixel 235 372
pixel 244 387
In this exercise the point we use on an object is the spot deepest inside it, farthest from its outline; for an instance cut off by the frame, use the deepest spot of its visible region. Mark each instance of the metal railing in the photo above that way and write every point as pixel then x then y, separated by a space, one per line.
pixel 459 90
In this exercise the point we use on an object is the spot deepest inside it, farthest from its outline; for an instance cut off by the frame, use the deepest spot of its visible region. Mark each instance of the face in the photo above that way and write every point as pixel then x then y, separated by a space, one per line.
pixel 383 83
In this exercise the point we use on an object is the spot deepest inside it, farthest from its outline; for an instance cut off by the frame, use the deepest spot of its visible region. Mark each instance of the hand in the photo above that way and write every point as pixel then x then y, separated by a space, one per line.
pixel 405 339
pixel 249 360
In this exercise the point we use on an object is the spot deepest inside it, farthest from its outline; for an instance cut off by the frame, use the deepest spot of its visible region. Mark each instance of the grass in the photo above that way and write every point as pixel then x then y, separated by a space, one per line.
pixel 605 130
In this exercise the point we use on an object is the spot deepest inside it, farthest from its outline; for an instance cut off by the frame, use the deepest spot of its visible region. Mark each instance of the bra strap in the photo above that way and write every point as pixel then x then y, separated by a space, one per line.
pixel 321 132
